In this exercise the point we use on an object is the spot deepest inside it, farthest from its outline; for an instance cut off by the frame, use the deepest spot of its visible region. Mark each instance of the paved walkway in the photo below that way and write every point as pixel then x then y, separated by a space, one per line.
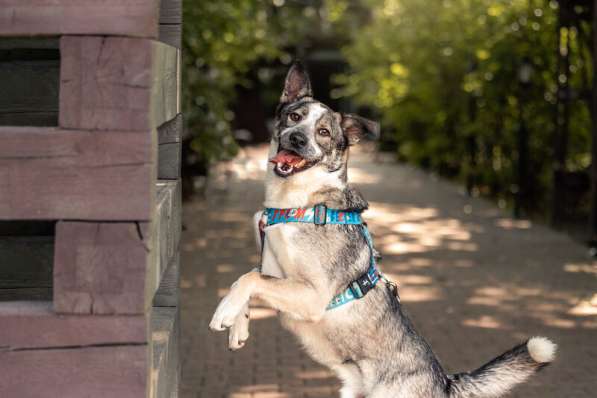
pixel 475 282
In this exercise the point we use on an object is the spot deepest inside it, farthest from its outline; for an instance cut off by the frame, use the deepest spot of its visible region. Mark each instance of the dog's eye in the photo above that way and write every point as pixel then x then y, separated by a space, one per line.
pixel 295 117
pixel 324 132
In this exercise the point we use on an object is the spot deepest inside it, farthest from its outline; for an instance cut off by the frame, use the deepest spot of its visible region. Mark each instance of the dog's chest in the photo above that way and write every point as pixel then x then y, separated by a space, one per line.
pixel 280 251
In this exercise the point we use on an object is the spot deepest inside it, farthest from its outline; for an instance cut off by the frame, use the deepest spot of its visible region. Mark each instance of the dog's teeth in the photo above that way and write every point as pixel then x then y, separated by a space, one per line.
pixel 301 164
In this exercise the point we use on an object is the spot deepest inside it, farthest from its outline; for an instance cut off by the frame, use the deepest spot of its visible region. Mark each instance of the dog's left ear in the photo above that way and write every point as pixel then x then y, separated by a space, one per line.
pixel 356 128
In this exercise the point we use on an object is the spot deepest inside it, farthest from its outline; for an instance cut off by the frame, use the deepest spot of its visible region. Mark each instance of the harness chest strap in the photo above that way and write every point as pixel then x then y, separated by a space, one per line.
pixel 321 215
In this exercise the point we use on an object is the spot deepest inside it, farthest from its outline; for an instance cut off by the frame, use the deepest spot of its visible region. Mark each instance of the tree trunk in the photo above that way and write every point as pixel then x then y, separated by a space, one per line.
pixel 593 215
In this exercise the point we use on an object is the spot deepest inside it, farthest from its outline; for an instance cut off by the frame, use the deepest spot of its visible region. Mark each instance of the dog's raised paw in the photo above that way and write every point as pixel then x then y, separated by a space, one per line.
pixel 239 331
pixel 226 313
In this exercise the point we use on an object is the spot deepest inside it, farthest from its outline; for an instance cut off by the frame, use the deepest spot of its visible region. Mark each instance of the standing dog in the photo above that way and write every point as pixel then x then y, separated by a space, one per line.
pixel 370 343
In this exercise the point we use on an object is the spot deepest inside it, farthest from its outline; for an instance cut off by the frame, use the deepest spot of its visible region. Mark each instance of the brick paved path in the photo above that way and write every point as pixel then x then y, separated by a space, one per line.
pixel 474 281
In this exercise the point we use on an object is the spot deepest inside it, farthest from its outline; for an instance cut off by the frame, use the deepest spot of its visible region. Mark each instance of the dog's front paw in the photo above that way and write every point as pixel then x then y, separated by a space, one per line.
pixel 239 331
pixel 230 306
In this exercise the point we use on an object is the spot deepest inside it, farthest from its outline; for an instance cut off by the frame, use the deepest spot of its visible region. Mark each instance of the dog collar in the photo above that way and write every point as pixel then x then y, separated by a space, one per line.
pixel 318 215
pixel 321 215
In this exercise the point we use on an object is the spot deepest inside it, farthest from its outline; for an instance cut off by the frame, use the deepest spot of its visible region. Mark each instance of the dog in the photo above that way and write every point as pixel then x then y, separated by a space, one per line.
pixel 369 342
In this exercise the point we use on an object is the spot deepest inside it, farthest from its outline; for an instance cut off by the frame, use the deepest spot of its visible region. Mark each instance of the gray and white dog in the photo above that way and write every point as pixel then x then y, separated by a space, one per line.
pixel 369 343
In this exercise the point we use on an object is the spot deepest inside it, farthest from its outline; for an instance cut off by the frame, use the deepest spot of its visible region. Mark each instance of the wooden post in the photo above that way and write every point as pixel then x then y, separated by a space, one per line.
pixel 87 126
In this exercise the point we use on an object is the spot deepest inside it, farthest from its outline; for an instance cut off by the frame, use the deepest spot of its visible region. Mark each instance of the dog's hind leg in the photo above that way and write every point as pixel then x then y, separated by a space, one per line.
pixel 352 380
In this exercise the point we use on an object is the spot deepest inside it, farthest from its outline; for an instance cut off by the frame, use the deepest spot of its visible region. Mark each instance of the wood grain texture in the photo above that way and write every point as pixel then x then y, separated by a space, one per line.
pixel 171 34
pixel 165 101
pixel 165 331
pixel 171 131
pixel 171 11
pixel 117 83
pixel 100 268
pixel 108 371
pixel 29 92
pixel 138 18
pixel 23 322
pixel 170 148
pixel 27 270
pixel 167 294
pixel 48 173
pixel 165 233
pixel 26 293
pixel 27 261
pixel 169 158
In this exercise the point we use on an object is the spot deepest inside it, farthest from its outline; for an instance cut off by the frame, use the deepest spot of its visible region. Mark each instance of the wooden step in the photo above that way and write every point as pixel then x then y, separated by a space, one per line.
pixel 137 18
pixel 165 332
pixel 167 294
pixel 43 354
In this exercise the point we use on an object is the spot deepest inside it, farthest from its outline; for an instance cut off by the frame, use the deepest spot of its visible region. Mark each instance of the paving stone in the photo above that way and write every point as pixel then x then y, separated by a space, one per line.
pixel 474 281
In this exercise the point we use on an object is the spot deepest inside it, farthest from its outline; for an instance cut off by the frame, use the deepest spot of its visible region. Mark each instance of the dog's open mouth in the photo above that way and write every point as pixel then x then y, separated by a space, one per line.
pixel 289 162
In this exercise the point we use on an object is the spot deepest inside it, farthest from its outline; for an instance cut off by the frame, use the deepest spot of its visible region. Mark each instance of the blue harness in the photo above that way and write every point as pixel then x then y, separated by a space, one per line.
pixel 321 215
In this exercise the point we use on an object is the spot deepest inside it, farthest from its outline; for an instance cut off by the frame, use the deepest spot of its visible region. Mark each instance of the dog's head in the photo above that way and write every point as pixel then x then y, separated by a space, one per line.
pixel 311 136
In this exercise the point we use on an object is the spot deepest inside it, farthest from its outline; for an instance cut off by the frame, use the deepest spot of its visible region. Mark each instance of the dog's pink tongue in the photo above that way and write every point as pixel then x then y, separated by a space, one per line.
pixel 286 157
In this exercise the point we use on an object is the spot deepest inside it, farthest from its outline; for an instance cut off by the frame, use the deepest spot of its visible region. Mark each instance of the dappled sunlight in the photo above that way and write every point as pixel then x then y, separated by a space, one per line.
pixel 509 223
pixel 314 374
pixel 225 268
pixel 467 280
pixel 360 176
pixel 582 268
pixel 262 313
pixel 586 307
pixel 484 321
pixel 416 288
pixel 416 230
pixel 257 389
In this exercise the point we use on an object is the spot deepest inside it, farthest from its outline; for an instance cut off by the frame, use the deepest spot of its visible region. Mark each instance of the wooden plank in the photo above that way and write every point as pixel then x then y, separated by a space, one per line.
pixel 165 329
pixel 36 43
pixel 167 294
pixel 117 83
pixel 165 234
pixel 27 261
pixel 170 148
pixel 165 103
pixel 26 293
pixel 48 173
pixel 171 131
pixel 171 11
pixel 29 92
pixel 29 325
pixel 27 270
pixel 171 34
pixel 138 18
pixel 27 228
pixel 106 371
pixel 169 158
pixel 100 268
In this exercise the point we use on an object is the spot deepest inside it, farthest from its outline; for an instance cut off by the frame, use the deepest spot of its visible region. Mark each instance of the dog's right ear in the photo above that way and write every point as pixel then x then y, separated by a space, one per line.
pixel 297 84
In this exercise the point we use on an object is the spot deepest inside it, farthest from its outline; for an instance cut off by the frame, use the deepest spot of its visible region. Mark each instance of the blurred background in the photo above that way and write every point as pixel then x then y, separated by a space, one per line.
pixel 495 95
pixel 487 110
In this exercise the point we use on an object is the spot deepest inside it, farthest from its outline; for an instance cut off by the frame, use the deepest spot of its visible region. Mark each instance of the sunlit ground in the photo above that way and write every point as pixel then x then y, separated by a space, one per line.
pixel 475 281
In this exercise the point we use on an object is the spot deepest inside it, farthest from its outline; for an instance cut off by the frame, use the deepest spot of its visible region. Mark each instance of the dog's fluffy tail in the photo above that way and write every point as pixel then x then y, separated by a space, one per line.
pixel 497 377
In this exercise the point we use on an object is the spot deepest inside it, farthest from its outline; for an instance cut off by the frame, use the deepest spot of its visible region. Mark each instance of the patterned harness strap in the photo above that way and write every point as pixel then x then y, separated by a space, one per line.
pixel 321 215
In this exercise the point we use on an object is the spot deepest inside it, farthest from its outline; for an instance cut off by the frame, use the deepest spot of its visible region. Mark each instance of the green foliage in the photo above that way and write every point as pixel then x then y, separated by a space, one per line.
pixel 221 41
pixel 445 77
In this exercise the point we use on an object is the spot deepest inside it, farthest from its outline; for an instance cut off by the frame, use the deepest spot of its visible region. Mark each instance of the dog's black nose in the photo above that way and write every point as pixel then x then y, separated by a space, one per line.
pixel 298 140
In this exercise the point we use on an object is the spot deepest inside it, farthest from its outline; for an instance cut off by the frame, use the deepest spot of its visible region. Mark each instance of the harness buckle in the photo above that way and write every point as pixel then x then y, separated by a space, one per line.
pixel 320 213
pixel 361 286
